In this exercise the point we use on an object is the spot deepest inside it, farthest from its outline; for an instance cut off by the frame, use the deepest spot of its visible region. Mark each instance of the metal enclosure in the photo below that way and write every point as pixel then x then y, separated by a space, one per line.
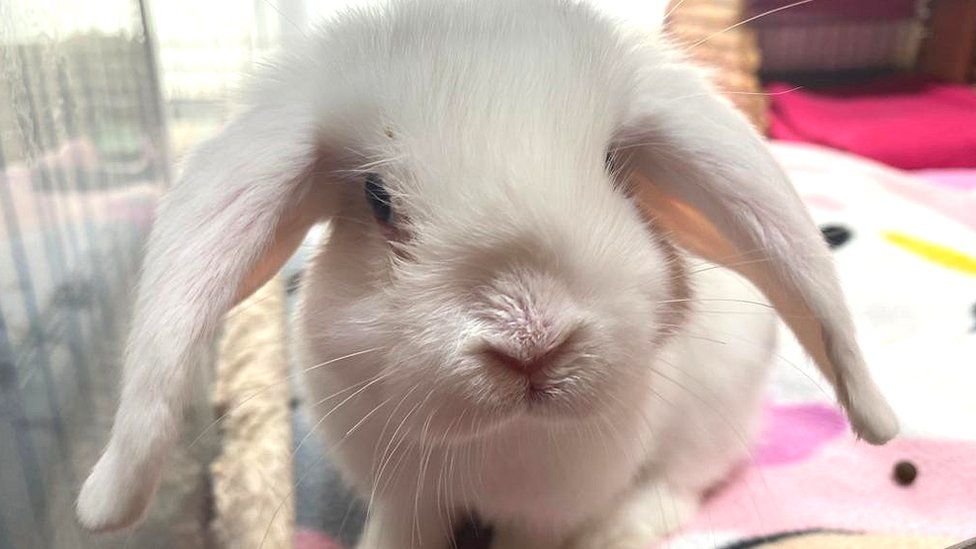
pixel 83 160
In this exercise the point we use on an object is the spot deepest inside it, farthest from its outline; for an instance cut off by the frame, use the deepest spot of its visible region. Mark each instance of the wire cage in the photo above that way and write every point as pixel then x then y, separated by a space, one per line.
pixel 83 159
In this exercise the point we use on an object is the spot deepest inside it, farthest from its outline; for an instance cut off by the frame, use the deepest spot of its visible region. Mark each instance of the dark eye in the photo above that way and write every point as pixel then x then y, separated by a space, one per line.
pixel 378 198
pixel 609 162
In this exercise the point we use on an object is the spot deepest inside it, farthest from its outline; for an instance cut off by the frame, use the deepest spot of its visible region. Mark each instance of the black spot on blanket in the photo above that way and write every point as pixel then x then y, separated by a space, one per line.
pixel 905 473
pixel 836 235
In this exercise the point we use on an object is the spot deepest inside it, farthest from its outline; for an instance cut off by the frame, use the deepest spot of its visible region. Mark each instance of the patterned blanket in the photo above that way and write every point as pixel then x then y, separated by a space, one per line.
pixel 906 252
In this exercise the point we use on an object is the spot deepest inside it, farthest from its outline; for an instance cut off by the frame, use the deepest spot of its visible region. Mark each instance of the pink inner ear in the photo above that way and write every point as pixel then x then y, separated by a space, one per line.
pixel 688 226
pixel 288 235
pixel 286 241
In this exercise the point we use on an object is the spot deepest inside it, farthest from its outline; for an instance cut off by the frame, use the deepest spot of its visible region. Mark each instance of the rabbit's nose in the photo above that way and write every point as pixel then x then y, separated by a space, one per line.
pixel 527 362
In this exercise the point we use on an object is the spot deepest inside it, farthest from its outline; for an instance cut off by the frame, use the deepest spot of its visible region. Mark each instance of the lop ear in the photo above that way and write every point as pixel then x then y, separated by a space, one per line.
pixel 244 203
pixel 704 173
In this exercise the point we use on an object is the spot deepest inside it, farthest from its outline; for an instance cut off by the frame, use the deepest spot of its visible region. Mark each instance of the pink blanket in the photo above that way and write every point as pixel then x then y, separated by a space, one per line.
pixel 906 123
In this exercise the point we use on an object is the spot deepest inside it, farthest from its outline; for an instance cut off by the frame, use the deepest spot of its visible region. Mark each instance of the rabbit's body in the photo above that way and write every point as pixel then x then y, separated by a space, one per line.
pixel 513 327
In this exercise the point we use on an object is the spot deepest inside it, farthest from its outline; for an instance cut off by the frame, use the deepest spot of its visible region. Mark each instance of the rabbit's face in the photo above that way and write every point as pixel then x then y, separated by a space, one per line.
pixel 500 285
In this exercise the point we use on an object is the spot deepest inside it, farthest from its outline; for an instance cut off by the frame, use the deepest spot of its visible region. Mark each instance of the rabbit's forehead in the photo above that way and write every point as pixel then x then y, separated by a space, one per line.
pixel 485 142
pixel 484 106
pixel 488 167
pixel 568 79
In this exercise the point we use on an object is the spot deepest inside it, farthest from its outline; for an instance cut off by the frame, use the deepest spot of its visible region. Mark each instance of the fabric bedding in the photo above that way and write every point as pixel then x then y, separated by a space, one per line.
pixel 906 253
pixel 905 122
pixel 909 270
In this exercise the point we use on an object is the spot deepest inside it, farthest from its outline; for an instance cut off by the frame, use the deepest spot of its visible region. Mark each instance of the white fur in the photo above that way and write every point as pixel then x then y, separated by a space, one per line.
pixel 489 122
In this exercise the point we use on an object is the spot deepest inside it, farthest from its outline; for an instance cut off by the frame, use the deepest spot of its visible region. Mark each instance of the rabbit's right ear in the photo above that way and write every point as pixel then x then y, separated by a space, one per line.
pixel 704 173
pixel 245 202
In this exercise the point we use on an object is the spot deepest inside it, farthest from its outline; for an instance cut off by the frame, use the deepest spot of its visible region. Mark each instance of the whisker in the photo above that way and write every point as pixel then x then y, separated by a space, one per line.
pixel 284 18
pixel 695 300
pixel 739 434
pixel 749 262
pixel 442 509
pixel 359 423
pixel 747 445
pixel 422 474
pixel 271 385
pixel 749 20
pixel 291 492
pixel 388 453
pixel 735 92
pixel 389 419
pixel 311 468
pixel 671 11
pixel 742 254
pixel 321 420
pixel 377 459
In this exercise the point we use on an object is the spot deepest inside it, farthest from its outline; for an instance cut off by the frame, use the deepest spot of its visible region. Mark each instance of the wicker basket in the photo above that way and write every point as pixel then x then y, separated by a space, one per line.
pixel 707 29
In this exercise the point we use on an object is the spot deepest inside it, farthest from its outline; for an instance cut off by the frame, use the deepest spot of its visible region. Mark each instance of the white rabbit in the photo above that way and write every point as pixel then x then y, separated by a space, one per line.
pixel 525 334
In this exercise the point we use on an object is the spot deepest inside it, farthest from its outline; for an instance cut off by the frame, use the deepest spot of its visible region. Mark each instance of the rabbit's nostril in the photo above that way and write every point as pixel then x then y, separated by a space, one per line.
pixel 516 364
pixel 527 363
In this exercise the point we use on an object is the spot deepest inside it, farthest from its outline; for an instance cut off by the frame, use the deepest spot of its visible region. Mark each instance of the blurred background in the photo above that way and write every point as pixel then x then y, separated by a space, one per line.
pixel 100 98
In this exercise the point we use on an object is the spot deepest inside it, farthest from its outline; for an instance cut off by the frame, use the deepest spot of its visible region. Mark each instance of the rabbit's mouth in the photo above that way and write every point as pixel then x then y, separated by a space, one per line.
pixel 539 394
pixel 571 395
pixel 555 404
pixel 462 415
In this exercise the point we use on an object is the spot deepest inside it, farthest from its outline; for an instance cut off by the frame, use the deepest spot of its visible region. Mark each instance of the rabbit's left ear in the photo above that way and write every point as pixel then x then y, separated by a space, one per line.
pixel 705 174
pixel 243 204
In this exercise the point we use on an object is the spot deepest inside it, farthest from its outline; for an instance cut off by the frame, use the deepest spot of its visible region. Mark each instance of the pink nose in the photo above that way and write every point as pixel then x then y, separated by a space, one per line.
pixel 529 364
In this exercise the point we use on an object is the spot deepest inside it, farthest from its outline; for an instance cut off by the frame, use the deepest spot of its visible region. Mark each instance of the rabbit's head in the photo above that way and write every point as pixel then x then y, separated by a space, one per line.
pixel 505 183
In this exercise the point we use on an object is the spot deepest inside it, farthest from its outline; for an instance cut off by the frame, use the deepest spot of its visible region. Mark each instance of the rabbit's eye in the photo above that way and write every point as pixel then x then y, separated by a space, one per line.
pixel 378 198
pixel 611 162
